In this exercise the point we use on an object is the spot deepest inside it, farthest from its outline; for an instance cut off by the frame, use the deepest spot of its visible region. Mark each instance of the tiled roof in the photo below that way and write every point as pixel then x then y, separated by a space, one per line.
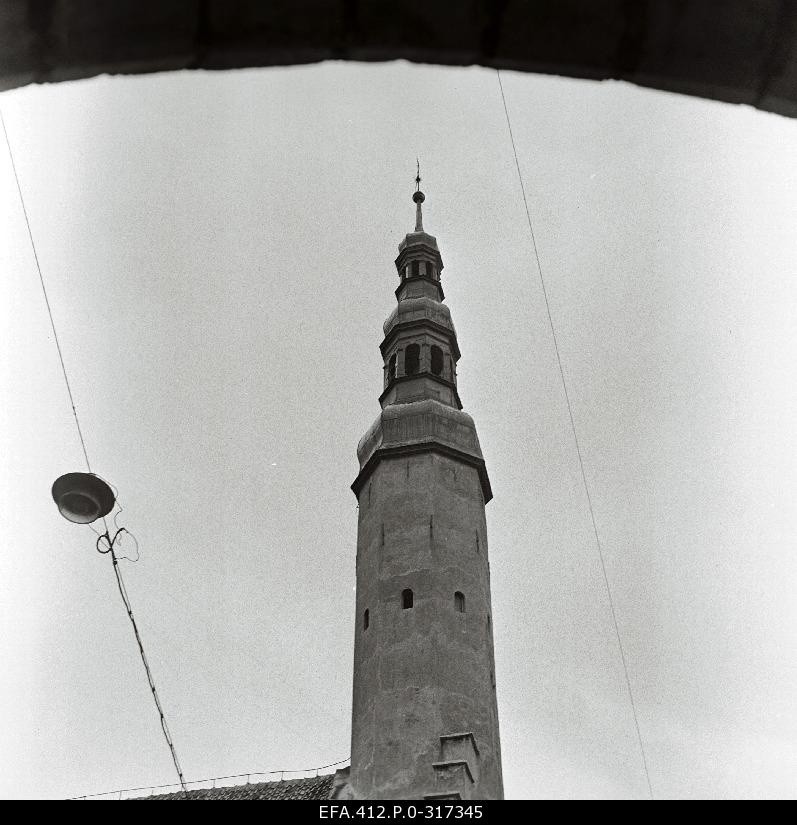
pixel 316 787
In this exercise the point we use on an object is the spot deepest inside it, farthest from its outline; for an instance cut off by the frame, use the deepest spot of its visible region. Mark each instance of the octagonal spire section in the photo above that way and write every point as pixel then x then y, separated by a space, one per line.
pixel 420 349
pixel 419 265
pixel 421 408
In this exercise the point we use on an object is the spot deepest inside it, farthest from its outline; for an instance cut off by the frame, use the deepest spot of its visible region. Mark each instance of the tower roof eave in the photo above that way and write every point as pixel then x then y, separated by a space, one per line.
pixel 421 426
pixel 419 239
pixel 405 250
pixel 400 450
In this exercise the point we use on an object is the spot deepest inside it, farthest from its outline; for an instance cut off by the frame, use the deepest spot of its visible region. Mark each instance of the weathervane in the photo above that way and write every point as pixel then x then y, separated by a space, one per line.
pixel 418 197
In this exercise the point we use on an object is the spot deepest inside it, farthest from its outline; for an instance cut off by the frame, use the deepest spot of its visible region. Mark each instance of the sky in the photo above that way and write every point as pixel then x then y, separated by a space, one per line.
pixel 218 254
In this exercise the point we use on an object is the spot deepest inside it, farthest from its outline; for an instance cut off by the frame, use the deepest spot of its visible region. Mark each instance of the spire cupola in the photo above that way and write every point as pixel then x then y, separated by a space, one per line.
pixel 419 263
pixel 420 349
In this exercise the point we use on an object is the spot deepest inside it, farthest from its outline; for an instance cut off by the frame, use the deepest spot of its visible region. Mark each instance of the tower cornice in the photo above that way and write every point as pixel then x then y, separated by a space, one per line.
pixel 400 450
pixel 420 278
pixel 402 379
pixel 420 426
pixel 419 242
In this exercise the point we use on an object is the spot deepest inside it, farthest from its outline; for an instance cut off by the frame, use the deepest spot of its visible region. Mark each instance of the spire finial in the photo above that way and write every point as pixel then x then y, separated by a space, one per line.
pixel 418 197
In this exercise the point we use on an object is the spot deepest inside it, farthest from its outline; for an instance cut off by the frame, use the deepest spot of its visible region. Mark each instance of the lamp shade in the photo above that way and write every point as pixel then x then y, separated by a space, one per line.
pixel 83 497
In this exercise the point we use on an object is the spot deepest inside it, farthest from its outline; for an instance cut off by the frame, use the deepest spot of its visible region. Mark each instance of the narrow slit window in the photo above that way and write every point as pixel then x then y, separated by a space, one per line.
pixel 437 360
pixel 406 599
pixel 412 359
pixel 366 619
pixel 391 367
pixel 429 270
pixel 416 269
pixel 459 602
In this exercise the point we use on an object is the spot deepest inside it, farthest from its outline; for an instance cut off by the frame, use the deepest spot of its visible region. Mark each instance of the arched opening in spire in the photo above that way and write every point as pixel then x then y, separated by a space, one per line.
pixel 459 602
pixel 391 368
pixel 412 359
pixel 437 360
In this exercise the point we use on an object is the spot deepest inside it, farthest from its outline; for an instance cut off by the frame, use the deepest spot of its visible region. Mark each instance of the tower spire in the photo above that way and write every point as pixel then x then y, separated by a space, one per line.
pixel 418 197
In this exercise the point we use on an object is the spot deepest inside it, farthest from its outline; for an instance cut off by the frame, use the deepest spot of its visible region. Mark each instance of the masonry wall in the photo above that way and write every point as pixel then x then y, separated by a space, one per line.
pixel 428 671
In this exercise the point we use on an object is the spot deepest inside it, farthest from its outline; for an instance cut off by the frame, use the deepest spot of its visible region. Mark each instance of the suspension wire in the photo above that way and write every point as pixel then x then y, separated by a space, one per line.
pixel 44 290
pixel 577 445
pixel 219 779
pixel 164 726
pixel 116 569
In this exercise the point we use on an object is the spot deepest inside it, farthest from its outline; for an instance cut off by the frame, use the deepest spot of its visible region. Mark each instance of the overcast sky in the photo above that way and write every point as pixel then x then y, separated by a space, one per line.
pixel 218 251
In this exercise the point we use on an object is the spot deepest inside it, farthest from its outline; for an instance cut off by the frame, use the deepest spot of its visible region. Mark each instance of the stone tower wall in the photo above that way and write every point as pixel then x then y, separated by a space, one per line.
pixel 424 672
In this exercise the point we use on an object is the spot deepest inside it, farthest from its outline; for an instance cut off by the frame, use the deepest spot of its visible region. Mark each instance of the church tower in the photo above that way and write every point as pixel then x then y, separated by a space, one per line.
pixel 425 718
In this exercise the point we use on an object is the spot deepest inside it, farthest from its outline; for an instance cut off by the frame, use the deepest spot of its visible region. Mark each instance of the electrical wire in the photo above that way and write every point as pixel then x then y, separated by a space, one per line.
pixel 164 726
pixel 215 779
pixel 577 445
pixel 46 299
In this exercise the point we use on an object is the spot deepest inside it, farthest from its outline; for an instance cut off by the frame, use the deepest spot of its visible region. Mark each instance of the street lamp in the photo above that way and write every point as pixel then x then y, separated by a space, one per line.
pixel 83 497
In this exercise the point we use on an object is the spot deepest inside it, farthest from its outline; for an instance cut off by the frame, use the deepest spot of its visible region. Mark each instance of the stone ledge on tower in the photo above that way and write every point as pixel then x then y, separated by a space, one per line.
pixel 461 746
pixel 457 772
pixel 442 796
